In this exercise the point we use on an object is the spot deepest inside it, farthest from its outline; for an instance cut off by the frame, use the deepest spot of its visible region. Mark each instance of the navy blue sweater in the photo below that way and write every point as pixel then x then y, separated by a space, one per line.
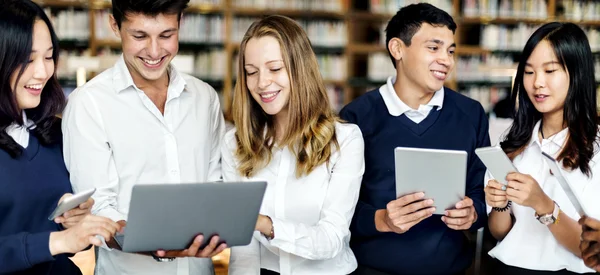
pixel 429 247
pixel 31 186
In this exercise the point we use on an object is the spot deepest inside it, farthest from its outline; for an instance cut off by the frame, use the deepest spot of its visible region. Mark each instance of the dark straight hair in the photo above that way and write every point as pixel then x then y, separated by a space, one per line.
pixel 572 49
pixel 17 18
pixel 122 8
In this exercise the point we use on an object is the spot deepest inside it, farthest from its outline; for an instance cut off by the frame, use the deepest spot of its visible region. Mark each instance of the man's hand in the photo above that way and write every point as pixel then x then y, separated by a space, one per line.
pixel 403 213
pixel 462 217
pixel 212 249
pixel 75 215
pixel 590 246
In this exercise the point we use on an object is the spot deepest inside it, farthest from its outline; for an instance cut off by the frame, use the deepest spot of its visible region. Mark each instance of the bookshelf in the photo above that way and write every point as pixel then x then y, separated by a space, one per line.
pixel 352 57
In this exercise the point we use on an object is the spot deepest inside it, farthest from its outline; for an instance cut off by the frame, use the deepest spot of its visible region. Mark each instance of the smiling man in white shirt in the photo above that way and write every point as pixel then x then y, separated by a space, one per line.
pixel 144 122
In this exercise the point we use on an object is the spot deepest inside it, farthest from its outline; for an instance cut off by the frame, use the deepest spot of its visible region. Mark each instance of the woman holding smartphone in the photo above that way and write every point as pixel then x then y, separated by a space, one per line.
pixel 32 172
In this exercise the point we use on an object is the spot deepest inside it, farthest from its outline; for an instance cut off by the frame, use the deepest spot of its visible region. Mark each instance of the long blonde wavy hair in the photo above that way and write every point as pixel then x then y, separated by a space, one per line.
pixel 311 132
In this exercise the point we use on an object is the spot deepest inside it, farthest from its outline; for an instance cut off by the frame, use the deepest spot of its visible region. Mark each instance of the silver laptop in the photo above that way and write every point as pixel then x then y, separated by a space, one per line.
pixel 170 216
pixel 440 174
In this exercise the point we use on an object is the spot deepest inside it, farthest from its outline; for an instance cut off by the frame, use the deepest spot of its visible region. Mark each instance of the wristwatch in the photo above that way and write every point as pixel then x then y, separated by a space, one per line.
pixel 551 218
pixel 162 259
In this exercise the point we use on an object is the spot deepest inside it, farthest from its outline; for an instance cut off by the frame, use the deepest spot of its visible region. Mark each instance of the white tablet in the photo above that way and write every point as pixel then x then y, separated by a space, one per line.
pixel 557 172
pixel 70 203
pixel 497 162
pixel 440 174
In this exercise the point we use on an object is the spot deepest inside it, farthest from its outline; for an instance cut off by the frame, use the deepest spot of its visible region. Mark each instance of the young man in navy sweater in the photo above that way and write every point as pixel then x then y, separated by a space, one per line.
pixel 393 235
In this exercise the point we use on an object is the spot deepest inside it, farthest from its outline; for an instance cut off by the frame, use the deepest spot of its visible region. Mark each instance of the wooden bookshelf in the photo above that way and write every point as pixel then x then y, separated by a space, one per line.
pixel 289 12
pixel 364 31
pixel 63 3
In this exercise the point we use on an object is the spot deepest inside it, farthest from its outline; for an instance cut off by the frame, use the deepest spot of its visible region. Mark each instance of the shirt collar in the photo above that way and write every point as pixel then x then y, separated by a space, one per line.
pixel 122 79
pixel 20 133
pixel 558 139
pixel 396 107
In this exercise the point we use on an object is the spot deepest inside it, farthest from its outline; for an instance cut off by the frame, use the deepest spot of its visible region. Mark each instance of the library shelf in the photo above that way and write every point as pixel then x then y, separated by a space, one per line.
pixel 294 13
pixel 364 15
pixel 63 3
pixel 498 20
pixel 366 48
pixel 73 44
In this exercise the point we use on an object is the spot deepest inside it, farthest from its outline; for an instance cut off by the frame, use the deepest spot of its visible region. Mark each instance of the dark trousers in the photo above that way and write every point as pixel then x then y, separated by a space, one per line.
pixel 364 270
pixel 502 269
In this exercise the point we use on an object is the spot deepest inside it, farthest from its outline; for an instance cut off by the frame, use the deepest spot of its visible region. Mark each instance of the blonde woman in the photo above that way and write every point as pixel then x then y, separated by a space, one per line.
pixel 287 135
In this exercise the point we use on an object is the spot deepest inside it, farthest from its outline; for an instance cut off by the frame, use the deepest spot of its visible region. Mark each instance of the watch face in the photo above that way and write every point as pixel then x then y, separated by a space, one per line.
pixel 546 219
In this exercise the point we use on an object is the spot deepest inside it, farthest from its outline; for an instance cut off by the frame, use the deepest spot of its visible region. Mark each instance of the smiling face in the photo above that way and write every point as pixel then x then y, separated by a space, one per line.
pixel 546 80
pixel 149 44
pixel 267 78
pixel 426 63
pixel 28 88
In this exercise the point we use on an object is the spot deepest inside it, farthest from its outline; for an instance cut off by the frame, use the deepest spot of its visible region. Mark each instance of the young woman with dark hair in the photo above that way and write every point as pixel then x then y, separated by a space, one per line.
pixel 33 173
pixel 532 217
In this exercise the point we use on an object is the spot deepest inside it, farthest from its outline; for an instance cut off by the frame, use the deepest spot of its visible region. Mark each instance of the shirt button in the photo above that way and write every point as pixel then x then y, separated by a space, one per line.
pixel 174 172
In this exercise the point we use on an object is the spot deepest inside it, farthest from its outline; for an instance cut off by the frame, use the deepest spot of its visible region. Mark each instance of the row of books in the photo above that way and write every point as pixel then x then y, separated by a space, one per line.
pixel 534 9
pixel 489 67
pixel 320 5
pixel 196 28
pixel 336 96
pixel 488 96
pixel 321 32
pixel 316 5
pixel 392 6
pixel 500 68
pixel 505 37
pixel 579 9
pixel 380 66
pixel 70 24
pixel 192 2
pixel 332 67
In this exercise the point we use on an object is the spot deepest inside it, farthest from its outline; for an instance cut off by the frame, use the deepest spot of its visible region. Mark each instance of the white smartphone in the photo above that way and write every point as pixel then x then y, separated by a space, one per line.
pixel 497 162
pixel 557 172
pixel 70 203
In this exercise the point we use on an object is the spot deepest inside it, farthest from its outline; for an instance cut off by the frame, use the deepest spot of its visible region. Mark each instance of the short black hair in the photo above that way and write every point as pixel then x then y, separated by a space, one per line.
pixel 408 21
pixel 17 19
pixel 122 8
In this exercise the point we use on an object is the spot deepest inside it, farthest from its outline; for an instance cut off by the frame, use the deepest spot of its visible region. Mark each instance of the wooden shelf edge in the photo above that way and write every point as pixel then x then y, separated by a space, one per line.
pixel 205 9
pixel 364 15
pixel 471 50
pixel 366 48
pixel 238 11
pixel 334 82
pixel 115 44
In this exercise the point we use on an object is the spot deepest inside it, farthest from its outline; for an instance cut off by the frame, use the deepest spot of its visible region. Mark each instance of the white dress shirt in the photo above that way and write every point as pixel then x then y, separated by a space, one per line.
pixel 530 244
pixel 20 133
pixel 396 107
pixel 311 214
pixel 115 137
